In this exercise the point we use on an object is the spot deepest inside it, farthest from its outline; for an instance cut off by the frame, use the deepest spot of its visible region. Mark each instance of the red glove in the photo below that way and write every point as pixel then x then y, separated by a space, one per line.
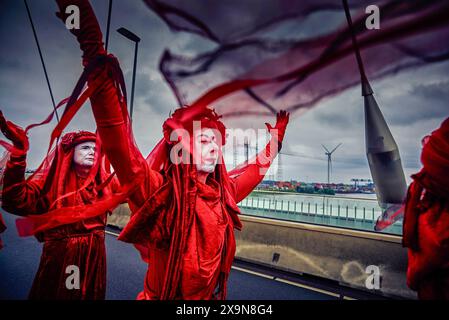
pixel 14 133
pixel 278 131
pixel 89 34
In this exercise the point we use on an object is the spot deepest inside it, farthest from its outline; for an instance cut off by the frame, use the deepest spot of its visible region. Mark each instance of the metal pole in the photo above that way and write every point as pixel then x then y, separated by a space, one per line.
pixel 388 175
pixel 131 36
pixel 42 59
pixel 356 45
pixel 108 24
pixel 134 79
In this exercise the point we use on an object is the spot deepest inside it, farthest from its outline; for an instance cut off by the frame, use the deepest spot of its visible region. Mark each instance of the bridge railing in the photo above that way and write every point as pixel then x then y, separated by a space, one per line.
pixel 359 214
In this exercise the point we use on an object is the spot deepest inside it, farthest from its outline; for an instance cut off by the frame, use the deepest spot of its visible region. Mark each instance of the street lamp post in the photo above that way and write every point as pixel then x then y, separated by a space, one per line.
pixel 133 37
pixel 108 25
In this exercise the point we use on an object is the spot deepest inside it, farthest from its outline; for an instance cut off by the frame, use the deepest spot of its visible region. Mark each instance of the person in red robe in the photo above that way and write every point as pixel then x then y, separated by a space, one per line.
pixel 426 220
pixel 183 212
pixel 53 200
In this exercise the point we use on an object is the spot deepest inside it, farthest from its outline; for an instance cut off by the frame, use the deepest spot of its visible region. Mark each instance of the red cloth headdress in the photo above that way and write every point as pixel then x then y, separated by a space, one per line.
pixel 59 187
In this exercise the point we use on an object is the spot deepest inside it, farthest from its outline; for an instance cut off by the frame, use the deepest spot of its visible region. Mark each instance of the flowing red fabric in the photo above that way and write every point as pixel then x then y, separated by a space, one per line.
pixel 169 206
pixel 10 148
pixel 426 220
pixel 259 69
pixel 64 215
pixel 222 22
pixel 54 189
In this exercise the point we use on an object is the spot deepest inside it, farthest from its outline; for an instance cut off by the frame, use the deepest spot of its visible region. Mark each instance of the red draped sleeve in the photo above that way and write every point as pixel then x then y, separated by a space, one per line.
pixel 19 196
pixel 252 174
pixel 112 125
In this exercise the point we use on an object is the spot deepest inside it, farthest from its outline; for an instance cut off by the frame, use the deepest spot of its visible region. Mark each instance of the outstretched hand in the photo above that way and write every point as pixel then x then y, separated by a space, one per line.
pixel 14 133
pixel 278 130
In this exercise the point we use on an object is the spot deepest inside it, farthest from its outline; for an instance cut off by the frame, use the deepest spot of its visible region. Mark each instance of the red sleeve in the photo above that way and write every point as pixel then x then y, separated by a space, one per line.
pixel 114 131
pixel 115 185
pixel 18 195
pixel 254 172
pixel 118 143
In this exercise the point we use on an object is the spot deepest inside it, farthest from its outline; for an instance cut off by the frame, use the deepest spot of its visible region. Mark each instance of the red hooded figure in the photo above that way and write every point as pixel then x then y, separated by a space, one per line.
pixel 55 201
pixel 184 206
pixel 426 220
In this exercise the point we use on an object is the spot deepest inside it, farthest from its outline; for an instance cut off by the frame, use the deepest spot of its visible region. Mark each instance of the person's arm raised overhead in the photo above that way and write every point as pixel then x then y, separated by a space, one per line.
pixel 113 124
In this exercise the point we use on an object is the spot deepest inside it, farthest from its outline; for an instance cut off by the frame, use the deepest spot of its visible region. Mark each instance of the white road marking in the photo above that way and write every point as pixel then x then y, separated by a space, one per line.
pixel 112 233
pixel 253 272
pixel 308 287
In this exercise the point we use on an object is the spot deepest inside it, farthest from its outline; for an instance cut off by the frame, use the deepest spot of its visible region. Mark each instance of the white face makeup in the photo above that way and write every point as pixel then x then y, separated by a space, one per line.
pixel 84 154
pixel 206 150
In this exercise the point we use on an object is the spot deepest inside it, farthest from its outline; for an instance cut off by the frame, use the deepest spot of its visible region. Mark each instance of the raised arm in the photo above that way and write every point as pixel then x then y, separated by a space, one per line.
pixel 252 174
pixel 114 129
pixel 18 196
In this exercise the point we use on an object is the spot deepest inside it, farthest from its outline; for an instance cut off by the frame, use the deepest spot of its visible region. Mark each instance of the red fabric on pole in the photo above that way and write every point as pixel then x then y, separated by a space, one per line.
pixel 252 71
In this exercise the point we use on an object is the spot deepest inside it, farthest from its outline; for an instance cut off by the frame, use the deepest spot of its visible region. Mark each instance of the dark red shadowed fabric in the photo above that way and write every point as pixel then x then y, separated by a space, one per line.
pixel 426 220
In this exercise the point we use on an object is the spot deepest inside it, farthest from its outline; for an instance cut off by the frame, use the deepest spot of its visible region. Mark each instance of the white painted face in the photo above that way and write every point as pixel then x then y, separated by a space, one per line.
pixel 206 150
pixel 84 154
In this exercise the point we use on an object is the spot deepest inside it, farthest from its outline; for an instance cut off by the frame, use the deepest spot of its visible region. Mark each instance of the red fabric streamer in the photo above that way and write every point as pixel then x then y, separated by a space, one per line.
pixel 267 73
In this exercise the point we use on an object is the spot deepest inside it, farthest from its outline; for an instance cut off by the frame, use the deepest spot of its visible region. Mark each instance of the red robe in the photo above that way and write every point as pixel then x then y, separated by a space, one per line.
pixel 80 244
pixel 183 229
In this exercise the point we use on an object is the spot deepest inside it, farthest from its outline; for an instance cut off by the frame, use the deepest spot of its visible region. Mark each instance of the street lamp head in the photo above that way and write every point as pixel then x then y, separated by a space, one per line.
pixel 128 34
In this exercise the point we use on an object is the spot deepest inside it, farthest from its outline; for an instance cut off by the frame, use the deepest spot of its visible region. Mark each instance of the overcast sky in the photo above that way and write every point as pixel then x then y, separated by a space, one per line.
pixel 414 102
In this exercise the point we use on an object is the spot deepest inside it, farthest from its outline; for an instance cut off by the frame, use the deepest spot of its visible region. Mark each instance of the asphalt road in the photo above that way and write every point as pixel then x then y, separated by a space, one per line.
pixel 19 260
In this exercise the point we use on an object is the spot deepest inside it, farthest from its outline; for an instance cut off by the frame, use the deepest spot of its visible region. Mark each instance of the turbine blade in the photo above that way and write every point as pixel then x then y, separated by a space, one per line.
pixel 325 148
pixel 336 147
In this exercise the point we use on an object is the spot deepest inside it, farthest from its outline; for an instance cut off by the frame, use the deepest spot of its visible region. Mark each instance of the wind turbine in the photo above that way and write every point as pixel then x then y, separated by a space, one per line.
pixel 329 160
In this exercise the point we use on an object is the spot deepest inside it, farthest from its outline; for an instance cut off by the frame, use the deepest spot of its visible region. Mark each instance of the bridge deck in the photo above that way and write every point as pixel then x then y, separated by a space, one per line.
pixel 19 260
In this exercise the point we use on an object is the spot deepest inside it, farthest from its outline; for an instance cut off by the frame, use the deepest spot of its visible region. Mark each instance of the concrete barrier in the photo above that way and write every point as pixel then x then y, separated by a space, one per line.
pixel 333 253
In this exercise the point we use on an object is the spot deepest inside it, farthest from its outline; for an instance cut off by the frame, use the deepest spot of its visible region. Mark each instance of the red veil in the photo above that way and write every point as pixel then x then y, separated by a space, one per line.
pixel 57 188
